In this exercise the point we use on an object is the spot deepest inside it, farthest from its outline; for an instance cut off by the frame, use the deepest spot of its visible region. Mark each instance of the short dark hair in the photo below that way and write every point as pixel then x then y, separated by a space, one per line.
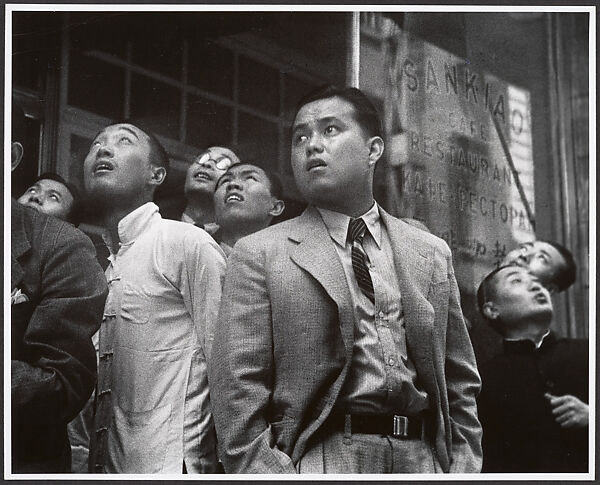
pixel 275 186
pixel 74 216
pixel 364 111
pixel 158 154
pixel 18 123
pixel 567 274
pixel 486 288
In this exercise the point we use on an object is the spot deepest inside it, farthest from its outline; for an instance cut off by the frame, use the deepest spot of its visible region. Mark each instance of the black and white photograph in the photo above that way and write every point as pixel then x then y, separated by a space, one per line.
pixel 346 242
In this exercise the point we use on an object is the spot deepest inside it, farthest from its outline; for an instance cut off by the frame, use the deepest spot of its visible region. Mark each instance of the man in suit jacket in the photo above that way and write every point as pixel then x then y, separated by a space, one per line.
pixel 338 354
pixel 57 295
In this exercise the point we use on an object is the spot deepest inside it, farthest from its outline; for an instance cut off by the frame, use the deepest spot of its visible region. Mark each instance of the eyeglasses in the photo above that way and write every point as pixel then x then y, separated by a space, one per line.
pixel 221 163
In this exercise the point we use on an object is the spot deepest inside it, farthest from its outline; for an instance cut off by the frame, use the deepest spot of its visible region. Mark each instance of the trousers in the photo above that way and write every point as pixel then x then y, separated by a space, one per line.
pixel 342 452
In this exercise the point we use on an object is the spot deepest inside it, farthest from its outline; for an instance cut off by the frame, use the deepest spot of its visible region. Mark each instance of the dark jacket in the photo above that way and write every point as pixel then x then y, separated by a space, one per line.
pixel 53 363
pixel 520 433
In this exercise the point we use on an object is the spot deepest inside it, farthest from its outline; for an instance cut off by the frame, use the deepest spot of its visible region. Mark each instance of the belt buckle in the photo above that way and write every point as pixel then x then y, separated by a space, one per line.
pixel 400 429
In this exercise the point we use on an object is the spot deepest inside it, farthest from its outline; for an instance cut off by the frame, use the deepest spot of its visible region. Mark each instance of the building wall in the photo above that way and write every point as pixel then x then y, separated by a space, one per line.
pixel 234 79
pixel 540 54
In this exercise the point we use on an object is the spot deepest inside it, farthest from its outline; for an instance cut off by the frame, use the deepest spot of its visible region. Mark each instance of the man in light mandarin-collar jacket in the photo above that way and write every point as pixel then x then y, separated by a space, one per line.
pixel 291 334
pixel 152 410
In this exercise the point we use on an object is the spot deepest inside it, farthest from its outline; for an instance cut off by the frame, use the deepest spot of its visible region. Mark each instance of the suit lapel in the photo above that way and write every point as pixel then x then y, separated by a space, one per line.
pixel 316 254
pixel 413 261
pixel 19 244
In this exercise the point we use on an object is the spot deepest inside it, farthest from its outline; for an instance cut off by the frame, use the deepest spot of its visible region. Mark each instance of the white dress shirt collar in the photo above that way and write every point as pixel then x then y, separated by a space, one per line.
pixel 337 224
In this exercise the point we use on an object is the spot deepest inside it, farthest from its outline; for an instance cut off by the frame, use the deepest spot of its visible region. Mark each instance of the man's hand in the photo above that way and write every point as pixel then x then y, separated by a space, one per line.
pixel 569 412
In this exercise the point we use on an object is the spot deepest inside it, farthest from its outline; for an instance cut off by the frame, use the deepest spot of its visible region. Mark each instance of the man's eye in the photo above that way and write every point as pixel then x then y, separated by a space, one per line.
pixel 54 197
pixel 125 139
pixel 95 143
pixel 331 130
pixel 32 190
pixel 252 177
pixel 300 139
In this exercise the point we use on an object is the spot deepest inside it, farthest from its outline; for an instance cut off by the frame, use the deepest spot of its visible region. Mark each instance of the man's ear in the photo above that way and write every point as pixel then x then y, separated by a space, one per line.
pixel 16 154
pixel 490 311
pixel 376 147
pixel 278 207
pixel 158 175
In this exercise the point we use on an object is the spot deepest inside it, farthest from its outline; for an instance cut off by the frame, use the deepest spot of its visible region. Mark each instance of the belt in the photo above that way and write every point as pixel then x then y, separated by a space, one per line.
pixel 398 426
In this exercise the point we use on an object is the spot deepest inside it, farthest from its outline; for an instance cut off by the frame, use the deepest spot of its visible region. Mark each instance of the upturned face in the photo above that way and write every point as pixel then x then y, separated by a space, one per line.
pixel 331 153
pixel 207 168
pixel 519 296
pixel 118 163
pixel 50 197
pixel 243 195
pixel 541 259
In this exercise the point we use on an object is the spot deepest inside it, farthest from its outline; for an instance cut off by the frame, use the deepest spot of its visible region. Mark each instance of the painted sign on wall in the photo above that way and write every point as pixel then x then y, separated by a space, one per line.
pixel 458 145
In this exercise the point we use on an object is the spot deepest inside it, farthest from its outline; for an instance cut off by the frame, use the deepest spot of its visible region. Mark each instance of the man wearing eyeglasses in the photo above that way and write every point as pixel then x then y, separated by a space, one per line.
pixel 200 183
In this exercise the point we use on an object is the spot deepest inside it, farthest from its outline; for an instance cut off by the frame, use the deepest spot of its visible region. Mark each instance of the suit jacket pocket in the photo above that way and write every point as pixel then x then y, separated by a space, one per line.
pixel 141 439
pixel 281 431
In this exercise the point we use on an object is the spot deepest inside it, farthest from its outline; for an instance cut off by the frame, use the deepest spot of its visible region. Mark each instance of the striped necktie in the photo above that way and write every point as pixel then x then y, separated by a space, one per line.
pixel 356 232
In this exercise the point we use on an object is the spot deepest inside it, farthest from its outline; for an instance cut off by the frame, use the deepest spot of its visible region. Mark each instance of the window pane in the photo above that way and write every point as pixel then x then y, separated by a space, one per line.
pixel 80 146
pixel 156 105
pixel 258 141
pixel 89 31
pixel 162 53
pixel 259 86
pixel 96 86
pixel 35 43
pixel 27 69
pixel 208 123
pixel 210 67
pixel 295 89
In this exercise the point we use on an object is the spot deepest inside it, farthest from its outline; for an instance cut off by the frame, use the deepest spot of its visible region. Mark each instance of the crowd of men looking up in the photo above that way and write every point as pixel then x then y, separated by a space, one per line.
pixel 332 342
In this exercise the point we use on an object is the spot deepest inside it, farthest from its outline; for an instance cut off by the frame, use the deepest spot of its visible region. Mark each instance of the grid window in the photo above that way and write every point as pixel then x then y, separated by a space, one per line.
pixel 210 67
pixel 155 105
pixel 162 54
pixel 259 86
pixel 80 147
pixel 295 90
pixel 96 86
pixel 258 141
pixel 208 123
pixel 100 31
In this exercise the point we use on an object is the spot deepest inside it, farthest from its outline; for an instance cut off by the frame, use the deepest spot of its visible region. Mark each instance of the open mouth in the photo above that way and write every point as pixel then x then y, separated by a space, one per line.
pixel 541 298
pixel 233 197
pixel 100 167
pixel 315 163
pixel 202 176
